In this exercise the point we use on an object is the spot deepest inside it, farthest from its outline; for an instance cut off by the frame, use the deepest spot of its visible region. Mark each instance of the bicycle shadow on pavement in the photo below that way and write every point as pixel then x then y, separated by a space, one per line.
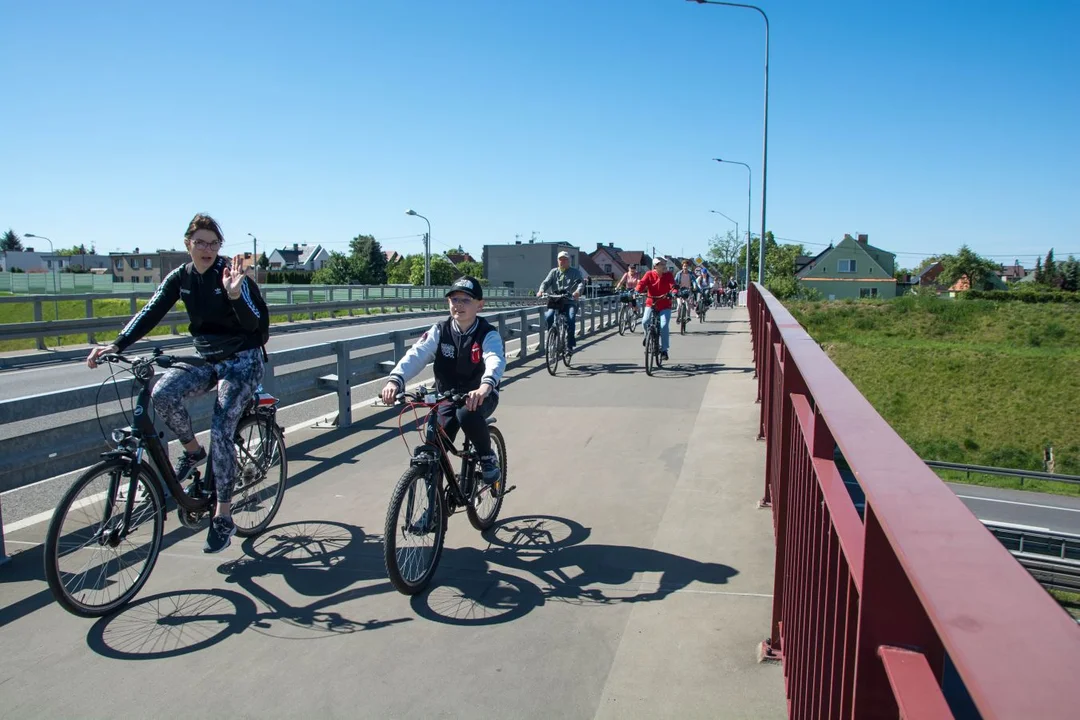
pixel 319 559
pixel 676 369
pixel 472 589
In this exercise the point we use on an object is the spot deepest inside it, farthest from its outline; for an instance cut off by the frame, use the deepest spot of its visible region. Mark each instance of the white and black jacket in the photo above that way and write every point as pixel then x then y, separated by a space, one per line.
pixel 463 361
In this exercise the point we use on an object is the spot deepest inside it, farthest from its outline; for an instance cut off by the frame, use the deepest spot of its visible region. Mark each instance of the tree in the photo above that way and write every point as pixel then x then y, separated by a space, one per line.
pixel 466 267
pixel 724 253
pixel 370 258
pixel 10 241
pixel 967 263
pixel 264 262
pixel 400 272
pixel 340 269
pixel 1049 270
pixel 442 271
pixel 1071 275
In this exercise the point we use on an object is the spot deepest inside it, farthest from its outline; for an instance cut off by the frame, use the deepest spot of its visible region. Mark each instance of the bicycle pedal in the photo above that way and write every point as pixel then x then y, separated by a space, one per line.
pixel 509 490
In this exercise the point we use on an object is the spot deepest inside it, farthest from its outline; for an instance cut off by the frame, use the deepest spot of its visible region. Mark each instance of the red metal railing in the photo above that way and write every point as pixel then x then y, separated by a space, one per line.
pixel 912 610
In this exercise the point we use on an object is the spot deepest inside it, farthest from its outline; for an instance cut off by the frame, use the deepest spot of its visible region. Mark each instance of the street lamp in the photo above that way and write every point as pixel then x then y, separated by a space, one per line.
pixel 736 239
pixel 748 184
pixel 765 132
pixel 56 306
pixel 427 247
pixel 254 256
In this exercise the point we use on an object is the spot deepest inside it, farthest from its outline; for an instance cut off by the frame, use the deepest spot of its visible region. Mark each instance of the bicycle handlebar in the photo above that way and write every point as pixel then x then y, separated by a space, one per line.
pixel 158 358
pixel 423 395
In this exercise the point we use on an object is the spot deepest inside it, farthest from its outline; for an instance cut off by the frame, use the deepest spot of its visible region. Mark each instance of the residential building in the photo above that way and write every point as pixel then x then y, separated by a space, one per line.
pixel 525 265
pixel 991 282
pixel 928 278
pixel 392 256
pixel 30 261
pixel 598 281
pixel 246 261
pixel 852 269
pixel 145 267
pixel 305 258
pixel 608 259
pixel 1013 273
pixel 457 258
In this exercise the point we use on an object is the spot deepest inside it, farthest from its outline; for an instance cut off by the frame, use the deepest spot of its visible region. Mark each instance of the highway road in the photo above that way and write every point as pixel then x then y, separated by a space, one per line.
pixel 1057 513
pixel 72 374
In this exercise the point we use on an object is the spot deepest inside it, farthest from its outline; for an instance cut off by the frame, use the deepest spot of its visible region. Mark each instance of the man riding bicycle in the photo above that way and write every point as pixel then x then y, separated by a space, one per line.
pixel 658 284
pixel 227 318
pixel 564 280
pixel 469 358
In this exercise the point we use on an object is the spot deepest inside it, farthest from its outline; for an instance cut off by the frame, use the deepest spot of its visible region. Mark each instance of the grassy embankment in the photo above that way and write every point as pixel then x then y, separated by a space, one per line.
pixel 973 382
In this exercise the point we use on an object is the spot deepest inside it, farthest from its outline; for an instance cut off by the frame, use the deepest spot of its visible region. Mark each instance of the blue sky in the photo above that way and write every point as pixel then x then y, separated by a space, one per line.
pixel 583 121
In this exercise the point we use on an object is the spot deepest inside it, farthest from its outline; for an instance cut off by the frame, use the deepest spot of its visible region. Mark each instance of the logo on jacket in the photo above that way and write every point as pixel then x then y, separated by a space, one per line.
pixel 447 350
pixel 476 353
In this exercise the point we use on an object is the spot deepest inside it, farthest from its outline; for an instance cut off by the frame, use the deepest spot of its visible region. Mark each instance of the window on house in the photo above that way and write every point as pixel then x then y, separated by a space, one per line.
pixel 134 262
pixel 870 292
pixel 134 278
pixel 607 267
pixel 846 266
pixel 148 278
pixel 147 263
pixel 119 264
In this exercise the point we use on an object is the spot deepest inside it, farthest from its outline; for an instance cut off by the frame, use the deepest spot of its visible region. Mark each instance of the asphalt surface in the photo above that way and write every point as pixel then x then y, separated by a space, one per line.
pixel 627 578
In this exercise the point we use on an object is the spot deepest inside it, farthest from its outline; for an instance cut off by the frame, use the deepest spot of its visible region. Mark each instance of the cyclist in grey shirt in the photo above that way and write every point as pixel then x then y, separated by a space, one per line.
pixel 563 280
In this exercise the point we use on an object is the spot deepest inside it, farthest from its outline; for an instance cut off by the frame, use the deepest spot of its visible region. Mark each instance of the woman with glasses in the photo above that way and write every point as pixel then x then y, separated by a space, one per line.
pixel 227 320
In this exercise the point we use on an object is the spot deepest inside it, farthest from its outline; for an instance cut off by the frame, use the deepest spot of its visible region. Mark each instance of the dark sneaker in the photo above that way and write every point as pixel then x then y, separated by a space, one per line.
pixel 188 462
pixel 489 469
pixel 425 524
pixel 220 536
pixel 663 355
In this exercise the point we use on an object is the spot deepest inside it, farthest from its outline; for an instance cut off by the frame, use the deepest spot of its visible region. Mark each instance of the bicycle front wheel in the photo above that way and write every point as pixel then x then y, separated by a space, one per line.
pixel 624 319
pixel 551 347
pixel 486 501
pixel 415 530
pixel 650 351
pixel 95 564
pixel 262 471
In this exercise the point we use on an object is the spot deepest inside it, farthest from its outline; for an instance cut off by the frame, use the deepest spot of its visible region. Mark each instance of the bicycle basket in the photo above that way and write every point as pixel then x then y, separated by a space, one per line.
pixel 625 297
pixel 684 292
pixel 558 303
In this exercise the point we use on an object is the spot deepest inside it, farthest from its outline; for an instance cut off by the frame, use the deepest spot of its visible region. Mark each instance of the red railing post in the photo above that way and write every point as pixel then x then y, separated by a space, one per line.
pixel 890 613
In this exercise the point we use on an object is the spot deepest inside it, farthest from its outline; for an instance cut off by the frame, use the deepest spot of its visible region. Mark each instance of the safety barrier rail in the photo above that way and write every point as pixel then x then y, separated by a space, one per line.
pixel 64 433
pixel 910 607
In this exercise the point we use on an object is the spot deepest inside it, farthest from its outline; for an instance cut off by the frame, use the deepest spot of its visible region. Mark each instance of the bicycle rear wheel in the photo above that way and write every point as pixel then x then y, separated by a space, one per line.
pixel 262 472
pixel 551 348
pixel 624 319
pixel 415 530
pixel 94 565
pixel 486 500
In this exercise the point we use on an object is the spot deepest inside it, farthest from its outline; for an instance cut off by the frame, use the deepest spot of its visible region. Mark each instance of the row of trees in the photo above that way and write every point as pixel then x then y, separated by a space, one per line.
pixel 1049 274
pixel 366 264
pixel 1057 274
pixel 727 254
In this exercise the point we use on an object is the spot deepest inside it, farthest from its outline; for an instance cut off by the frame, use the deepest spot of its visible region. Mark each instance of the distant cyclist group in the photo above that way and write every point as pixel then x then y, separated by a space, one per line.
pixel 229 324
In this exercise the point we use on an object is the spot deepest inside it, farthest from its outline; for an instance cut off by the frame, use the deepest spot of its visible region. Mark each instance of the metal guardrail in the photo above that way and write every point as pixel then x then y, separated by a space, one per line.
pixel 913 604
pixel 40 330
pixel 1052 558
pixel 1008 472
pixel 293 375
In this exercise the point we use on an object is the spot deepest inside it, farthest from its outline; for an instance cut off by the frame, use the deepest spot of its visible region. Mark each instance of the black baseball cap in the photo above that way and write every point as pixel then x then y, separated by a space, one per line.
pixel 468 285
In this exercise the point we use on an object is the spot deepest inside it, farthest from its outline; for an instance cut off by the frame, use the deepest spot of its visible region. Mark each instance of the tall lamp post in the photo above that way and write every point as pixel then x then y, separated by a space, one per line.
pixel 749 182
pixel 736 238
pixel 254 256
pixel 765 133
pixel 56 307
pixel 427 247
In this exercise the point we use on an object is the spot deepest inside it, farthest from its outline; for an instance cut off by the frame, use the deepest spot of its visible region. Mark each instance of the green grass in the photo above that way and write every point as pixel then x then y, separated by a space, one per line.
pixel 972 382
pixel 1069 601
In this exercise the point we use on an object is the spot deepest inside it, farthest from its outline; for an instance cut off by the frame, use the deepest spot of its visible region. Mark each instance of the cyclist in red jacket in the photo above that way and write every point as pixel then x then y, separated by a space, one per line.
pixel 657 284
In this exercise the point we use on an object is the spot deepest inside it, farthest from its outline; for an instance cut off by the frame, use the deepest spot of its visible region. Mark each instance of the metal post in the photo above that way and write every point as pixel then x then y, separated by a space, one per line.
pixel 89 314
pixel 749 185
pixel 427 247
pixel 3 556
pixel 765 130
pixel 37 318
pixel 344 388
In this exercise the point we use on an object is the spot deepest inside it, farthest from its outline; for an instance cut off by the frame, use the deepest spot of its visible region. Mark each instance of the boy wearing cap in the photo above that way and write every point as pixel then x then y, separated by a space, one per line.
pixel 569 281
pixel 468 356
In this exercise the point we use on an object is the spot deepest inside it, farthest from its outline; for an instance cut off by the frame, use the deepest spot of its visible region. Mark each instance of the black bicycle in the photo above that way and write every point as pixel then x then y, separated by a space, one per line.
pixel 654 357
pixel 106 531
pixel 702 305
pixel 430 491
pixel 683 314
pixel 555 345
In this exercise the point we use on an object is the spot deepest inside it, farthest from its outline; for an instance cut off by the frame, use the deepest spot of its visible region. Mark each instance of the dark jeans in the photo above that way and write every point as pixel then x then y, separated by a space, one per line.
pixel 570 313
pixel 474 422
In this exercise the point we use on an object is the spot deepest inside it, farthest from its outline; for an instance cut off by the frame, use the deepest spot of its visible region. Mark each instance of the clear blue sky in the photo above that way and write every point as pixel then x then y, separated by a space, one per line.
pixel 584 121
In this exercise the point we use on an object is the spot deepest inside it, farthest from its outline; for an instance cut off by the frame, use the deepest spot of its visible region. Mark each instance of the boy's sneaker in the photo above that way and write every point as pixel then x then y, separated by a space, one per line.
pixel 220 535
pixel 188 462
pixel 489 469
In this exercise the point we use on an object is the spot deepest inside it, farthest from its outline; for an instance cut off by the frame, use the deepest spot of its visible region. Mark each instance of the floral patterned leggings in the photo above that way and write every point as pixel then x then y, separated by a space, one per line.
pixel 237 380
